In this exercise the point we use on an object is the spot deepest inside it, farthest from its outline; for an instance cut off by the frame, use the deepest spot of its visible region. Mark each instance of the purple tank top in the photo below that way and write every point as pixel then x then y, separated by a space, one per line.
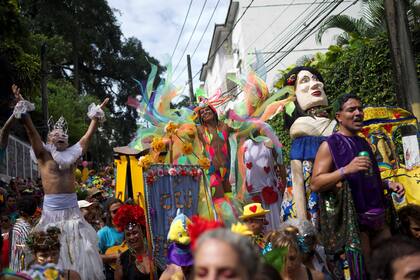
pixel 367 191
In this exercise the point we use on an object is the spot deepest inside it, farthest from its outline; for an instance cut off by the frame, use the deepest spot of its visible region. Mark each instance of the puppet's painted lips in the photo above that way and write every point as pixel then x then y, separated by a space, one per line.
pixel 316 93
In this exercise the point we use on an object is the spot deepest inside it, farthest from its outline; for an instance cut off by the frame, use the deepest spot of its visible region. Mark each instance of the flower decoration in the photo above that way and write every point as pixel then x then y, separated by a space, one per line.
pixel 199 226
pixel 291 80
pixel 204 163
pixel 158 145
pixel 145 161
pixel 129 214
pixel 187 148
pixel 172 171
pixel 171 127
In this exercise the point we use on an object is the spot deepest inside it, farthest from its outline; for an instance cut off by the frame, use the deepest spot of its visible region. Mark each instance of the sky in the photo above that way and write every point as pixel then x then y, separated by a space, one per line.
pixel 157 24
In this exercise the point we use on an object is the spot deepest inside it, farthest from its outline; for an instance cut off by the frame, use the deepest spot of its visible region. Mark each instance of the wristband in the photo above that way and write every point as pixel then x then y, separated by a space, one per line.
pixel 341 170
pixel 95 112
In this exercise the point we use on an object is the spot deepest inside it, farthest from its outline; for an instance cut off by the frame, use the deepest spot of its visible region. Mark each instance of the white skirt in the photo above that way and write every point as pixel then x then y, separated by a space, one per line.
pixel 79 242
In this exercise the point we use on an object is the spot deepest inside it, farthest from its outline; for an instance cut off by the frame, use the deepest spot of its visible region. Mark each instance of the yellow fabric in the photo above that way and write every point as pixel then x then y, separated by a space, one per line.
pixel 137 182
pixel 410 179
pixel 121 177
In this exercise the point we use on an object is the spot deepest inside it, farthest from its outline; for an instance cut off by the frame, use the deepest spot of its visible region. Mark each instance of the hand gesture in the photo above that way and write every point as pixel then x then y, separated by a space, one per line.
pixel 397 188
pixel 16 93
pixel 358 164
pixel 104 103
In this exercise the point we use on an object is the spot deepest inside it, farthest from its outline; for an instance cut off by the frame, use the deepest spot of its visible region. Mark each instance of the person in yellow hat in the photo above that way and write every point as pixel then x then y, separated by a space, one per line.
pixel 254 218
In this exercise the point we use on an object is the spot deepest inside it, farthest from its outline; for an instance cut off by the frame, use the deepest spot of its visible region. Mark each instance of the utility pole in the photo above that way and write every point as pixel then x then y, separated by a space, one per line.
pixel 190 82
pixel 402 55
pixel 44 95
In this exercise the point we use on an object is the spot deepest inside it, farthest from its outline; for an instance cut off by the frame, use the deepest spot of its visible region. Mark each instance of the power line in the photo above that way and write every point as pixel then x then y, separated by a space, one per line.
pixel 282 5
pixel 304 28
pixel 299 50
pixel 201 38
pixel 293 38
pixel 192 34
pixel 227 36
pixel 182 29
pixel 290 31
pixel 307 35
pixel 271 24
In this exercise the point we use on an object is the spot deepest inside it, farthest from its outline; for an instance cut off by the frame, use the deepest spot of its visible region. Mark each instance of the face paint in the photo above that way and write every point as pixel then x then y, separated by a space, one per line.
pixel 59 139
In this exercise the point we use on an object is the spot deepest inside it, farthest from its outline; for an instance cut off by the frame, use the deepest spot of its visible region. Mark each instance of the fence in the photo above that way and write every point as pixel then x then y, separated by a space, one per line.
pixel 17 162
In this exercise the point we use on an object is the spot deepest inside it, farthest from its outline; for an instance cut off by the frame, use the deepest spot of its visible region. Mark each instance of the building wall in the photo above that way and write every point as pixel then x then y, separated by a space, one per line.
pixel 248 37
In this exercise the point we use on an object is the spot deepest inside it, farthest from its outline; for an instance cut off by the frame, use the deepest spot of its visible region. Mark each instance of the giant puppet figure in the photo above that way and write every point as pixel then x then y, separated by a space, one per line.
pixel 56 162
pixel 308 127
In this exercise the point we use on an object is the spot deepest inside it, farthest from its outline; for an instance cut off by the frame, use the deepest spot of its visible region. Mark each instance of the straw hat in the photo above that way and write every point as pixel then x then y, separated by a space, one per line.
pixel 253 210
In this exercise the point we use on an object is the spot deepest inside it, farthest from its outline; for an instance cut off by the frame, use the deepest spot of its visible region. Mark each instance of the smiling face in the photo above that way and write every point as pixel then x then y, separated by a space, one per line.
pixel 309 91
pixel 350 117
pixel 59 139
pixel 134 237
pixel 206 114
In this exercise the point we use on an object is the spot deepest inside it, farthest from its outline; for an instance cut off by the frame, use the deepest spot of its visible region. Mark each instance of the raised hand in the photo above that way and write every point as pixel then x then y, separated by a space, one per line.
pixel 104 103
pixel 16 93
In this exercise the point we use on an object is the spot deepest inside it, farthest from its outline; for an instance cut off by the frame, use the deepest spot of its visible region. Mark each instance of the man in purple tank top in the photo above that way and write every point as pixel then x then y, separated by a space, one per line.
pixel 338 162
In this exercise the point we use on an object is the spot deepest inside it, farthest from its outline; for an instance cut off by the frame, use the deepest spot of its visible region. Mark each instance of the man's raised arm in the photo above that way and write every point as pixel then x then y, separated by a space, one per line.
pixel 21 112
pixel 96 114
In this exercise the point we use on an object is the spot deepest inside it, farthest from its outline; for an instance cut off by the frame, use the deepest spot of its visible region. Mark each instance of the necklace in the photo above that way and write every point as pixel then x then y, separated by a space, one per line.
pixel 139 261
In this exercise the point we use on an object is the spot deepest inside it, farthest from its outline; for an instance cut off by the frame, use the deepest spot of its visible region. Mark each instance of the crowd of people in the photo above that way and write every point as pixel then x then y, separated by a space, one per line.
pixel 338 222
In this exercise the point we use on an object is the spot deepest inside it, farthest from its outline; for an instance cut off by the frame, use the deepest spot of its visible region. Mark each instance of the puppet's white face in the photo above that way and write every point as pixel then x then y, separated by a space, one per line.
pixel 309 91
pixel 59 139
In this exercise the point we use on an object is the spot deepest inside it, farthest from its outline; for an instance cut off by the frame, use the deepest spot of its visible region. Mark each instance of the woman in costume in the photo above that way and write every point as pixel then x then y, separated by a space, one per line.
pixel 262 182
pixel 135 263
pixel 45 247
pixel 308 126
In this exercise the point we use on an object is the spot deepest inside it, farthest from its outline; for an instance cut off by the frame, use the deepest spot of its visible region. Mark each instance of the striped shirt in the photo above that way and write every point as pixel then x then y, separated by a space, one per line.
pixel 20 233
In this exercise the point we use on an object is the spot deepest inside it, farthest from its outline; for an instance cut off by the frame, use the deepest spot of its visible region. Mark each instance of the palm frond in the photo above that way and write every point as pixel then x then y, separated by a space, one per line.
pixel 346 23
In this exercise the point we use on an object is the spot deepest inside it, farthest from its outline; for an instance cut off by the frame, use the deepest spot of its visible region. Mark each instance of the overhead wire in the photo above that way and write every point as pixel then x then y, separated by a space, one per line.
pixel 201 39
pixel 182 29
pixel 304 29
pixel 271 24
pixel 192 34
pixel 301 40
pixel 227 36
pixel 313 30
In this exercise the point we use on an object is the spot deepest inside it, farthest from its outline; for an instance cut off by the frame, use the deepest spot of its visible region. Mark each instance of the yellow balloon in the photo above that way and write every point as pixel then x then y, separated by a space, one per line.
pixel 85 174
pixel 78 173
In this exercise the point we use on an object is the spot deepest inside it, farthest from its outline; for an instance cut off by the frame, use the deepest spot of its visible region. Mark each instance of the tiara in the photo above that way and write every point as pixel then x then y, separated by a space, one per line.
pixel 61 124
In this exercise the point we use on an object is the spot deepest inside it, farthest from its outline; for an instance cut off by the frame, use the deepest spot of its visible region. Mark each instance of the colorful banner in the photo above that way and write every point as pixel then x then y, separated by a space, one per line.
pixel 168 188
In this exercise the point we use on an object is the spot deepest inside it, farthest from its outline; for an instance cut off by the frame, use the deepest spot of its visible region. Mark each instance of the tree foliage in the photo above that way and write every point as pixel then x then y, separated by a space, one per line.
pixel 86 58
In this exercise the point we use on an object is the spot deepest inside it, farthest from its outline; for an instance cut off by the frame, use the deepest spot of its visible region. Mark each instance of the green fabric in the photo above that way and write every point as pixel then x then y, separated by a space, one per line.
pixel 339 230
pixel 276 258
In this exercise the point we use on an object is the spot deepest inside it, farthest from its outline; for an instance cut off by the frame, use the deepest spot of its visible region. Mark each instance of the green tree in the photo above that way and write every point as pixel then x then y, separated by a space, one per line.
pixel 371 24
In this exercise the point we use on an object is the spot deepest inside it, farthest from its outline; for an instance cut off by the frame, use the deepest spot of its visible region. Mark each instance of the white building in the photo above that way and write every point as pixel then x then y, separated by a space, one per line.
pixel 17 162
pixel 272 28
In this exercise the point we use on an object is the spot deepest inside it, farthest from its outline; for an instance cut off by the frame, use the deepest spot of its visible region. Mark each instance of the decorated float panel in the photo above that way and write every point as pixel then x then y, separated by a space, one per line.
pixel 394 137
